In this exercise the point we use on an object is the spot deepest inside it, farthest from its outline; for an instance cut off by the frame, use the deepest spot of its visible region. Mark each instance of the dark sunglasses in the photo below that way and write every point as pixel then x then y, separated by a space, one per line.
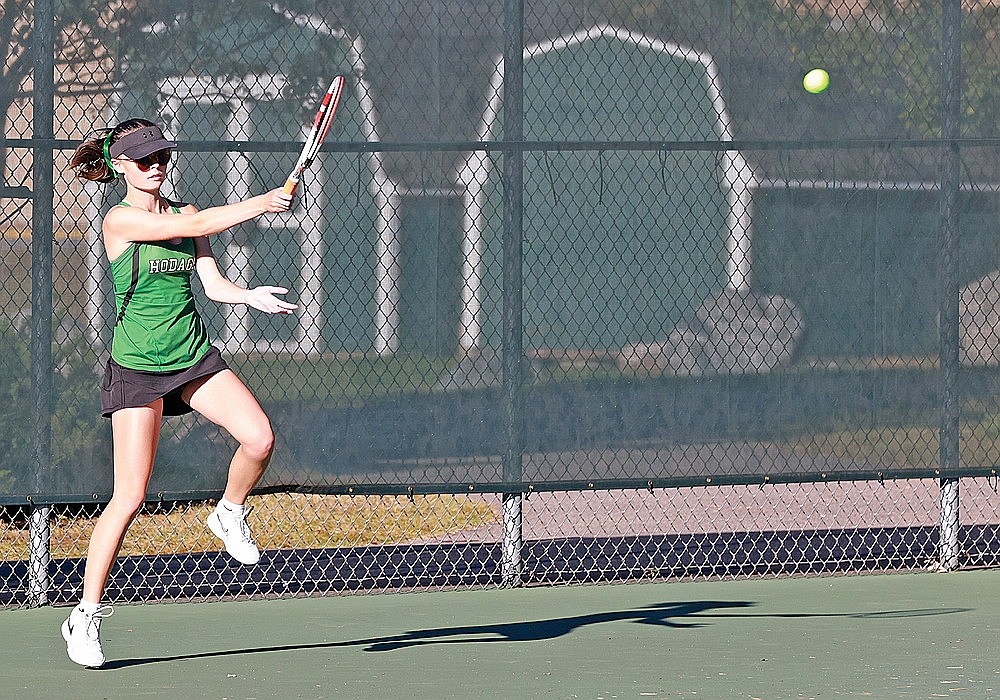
pixel 157 158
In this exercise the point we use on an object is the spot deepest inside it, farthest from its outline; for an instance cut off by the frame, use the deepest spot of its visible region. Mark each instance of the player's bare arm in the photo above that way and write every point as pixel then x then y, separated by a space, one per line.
pixel 222 290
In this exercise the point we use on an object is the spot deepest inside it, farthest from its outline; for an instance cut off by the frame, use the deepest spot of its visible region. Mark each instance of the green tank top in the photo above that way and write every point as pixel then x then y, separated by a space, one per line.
pixel 157 327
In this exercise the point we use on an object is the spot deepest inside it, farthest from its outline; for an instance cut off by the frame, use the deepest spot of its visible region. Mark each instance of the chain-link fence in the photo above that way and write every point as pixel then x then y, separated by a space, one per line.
pixel 588 289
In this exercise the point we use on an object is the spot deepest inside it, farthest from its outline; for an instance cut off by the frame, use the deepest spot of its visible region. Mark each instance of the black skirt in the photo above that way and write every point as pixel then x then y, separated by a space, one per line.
pixel 131 388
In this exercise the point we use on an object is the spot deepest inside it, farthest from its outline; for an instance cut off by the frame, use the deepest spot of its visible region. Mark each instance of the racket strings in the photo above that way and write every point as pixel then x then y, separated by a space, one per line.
pixel 304 189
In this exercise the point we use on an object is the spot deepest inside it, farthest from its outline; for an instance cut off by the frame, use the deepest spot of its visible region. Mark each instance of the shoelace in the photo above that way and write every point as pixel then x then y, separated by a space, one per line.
pixel 94 621
pixel 244 528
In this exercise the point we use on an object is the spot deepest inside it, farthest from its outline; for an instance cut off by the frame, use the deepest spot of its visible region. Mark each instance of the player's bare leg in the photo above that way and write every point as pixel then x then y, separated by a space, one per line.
pixel 226 401
pixel 136 432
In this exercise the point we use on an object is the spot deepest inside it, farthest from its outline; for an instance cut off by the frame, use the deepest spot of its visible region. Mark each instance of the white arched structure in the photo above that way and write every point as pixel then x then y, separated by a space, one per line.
pixel 737 177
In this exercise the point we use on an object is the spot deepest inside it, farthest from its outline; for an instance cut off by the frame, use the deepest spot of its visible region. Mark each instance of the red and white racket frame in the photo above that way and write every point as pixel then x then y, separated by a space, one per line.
pixel 317 134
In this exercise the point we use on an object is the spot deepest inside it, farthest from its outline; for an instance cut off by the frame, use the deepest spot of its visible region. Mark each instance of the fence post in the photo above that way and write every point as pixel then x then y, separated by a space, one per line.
pixel 951 99
pixel 43 148
pixel 511 567
pixel 43 18
pixel 39 556
pixel 512 341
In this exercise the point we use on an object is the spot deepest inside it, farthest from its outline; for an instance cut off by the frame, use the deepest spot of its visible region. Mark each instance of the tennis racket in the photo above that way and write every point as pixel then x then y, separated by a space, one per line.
pixel 318 132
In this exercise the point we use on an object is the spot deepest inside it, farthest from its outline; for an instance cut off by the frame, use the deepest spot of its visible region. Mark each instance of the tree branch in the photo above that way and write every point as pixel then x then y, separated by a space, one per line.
pixel 17 70
pixel 21 45
pixel 12 10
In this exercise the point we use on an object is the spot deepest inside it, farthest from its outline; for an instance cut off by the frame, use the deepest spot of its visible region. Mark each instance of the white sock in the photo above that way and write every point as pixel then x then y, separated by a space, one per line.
pixel 230 506
pixel 88 608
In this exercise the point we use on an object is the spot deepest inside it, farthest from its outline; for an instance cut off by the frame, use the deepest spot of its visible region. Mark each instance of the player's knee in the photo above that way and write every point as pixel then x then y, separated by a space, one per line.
pixel 260 444
pixel 126 506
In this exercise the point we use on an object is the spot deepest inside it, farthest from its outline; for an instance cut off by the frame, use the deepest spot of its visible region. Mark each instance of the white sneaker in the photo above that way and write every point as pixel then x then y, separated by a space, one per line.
pixel 232 529
pixel 82 633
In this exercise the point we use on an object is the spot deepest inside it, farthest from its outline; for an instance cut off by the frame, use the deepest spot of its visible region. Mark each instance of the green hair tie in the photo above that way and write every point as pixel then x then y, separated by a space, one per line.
pixel 107 154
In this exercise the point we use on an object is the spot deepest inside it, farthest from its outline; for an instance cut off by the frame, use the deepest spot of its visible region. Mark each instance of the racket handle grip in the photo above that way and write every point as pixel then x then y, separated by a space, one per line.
pixel 290 185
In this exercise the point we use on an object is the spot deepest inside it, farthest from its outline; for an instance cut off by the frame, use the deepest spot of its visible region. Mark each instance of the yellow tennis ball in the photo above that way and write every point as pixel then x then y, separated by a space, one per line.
pixel 815 81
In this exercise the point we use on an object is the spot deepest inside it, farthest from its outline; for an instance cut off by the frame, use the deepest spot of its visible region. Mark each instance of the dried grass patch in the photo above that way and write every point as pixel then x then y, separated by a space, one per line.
pixel 278 521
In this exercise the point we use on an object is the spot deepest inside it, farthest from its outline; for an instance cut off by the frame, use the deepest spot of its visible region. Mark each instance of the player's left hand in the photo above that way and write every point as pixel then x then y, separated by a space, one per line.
pixel 263 299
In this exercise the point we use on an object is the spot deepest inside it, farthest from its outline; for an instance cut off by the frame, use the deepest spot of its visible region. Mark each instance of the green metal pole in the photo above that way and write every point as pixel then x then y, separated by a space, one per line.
pixel 513 350
pixel 43 104
pixel 948 289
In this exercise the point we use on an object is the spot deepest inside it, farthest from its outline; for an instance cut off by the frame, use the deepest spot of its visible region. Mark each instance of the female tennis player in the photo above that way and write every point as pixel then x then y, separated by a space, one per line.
pixel 162 362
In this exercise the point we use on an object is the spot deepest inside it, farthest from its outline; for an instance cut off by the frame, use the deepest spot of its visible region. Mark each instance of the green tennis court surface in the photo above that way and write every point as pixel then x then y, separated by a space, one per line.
pixel 890 636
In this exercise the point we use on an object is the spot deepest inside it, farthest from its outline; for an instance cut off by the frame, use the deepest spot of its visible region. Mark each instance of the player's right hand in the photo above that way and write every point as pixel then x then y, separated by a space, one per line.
pixel 277 200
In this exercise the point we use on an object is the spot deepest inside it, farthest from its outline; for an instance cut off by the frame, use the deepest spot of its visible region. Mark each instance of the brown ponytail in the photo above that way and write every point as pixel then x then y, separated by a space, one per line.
pixel 88 160
pixel 91 160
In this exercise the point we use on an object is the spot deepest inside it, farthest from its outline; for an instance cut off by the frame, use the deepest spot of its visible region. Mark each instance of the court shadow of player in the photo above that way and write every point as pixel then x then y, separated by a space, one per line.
pixel 688 615
pixel 662 615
